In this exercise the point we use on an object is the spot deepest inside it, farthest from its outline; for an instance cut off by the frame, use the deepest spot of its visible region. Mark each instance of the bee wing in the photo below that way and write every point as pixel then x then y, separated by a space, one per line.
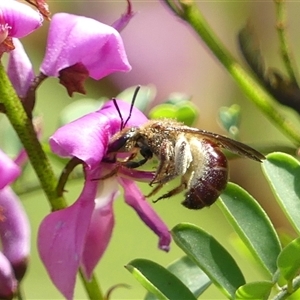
pixel 227 143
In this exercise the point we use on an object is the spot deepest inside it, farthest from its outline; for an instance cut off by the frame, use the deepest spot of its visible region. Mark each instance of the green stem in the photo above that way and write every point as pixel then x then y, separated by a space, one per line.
pixel 25 130
pixel 283 40
pixel 256 93
pixel 172 6
pixel 285 290
pixel 92 287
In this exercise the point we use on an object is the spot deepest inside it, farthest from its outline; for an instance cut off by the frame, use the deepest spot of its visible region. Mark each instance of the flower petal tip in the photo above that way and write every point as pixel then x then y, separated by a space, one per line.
pixel 165 248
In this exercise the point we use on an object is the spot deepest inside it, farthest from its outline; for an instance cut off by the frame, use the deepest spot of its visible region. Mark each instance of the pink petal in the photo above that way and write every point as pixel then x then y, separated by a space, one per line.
pixel 14 231
pixel 76 39
pixel 87 138
pixel 8 169
pixel 136 175
pixel 137 201
pixel 61 239
pixel 19 69
pixel 20 18
pixel 101 226
pixel 8 282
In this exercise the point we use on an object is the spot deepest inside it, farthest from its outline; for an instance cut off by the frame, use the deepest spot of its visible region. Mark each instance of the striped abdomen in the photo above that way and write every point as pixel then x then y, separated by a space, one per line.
pixel 205 190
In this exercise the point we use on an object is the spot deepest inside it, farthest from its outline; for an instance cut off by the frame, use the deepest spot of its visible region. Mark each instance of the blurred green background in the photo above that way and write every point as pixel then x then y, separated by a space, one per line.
pixel 164 52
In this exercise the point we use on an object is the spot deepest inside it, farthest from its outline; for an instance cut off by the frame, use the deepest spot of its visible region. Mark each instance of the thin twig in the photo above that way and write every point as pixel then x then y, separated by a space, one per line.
pixel 281 26
pixel 70 166
pixel 251 87
pixel 284 293
pixel 92 287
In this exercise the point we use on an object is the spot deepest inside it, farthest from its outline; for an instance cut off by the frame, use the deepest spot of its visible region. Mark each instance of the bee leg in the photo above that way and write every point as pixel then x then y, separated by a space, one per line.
pixel 173 192
pixel 182 160
pixel 108 175
pixel 165 158
pixel 135 164
pixel 154 191
pixel 145 152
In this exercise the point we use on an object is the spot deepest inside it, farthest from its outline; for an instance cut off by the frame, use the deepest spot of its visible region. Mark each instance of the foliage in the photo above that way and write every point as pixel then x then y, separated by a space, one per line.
pixel 255 229
pixel 248 218
pixel 84 229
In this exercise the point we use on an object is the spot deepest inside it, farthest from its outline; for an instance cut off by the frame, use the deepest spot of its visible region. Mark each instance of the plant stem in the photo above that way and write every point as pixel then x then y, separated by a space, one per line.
pixel 284 293
pixel 92 287
pixel 283 40
pixel 190 13
pixel 25 130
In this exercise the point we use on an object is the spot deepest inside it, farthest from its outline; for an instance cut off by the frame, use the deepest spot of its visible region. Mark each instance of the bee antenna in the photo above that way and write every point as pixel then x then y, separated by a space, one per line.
pixel 123 124
pixel 119 113
pixel 132 104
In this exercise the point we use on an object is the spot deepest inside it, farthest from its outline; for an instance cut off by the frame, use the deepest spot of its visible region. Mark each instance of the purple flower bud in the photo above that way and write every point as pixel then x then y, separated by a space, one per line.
pixel 8 169
pixel 19 69
pixel 122 22
pixel 8 282
pixel 14 231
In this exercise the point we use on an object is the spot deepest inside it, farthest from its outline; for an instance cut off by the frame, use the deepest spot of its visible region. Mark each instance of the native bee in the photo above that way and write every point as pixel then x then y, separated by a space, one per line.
pixel 191 153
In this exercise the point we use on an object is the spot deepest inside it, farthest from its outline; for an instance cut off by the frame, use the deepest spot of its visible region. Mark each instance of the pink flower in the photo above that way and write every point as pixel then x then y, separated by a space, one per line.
pixel 81 47
pixel 16 20
pixel 78 235
pixel 14 231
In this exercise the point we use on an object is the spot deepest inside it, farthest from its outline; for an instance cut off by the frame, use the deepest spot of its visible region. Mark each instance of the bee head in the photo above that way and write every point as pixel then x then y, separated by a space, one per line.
pixel 125 140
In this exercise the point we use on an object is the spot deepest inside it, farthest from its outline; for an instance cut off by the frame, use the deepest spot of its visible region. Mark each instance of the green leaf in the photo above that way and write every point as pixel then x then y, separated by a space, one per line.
pixel 285 236
pixel 184 111
pixel 190 274
pixel 144 97
pixel 289 260
pixel 210 256
pixel 9 140
pixel 230 119
pixel 249 46
pixel 164 110
pixel 255 290
pixel 252 225
pixel 283 174
pixel 79 108
pixel 158 281
pixel 176 98
pixel 187 113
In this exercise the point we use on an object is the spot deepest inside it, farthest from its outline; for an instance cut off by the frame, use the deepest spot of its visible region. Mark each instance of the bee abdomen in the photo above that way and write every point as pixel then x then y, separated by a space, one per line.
pixel 208 188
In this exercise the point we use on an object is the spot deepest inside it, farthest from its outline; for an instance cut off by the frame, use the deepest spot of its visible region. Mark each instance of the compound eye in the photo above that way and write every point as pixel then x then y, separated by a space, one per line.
pixel 120 143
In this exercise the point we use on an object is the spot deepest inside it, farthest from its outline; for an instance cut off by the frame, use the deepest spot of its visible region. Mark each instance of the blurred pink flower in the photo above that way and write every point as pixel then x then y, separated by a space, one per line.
pixel 14 231
pixel 16 20
pixel 78 235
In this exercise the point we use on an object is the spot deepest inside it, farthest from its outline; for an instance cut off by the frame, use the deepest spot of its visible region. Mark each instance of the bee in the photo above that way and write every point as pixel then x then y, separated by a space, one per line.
pixel 191 153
